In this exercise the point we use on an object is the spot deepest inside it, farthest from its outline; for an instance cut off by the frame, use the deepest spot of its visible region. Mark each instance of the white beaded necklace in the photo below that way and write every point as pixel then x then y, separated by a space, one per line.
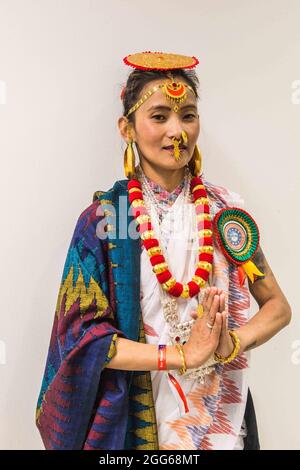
pixel 160 208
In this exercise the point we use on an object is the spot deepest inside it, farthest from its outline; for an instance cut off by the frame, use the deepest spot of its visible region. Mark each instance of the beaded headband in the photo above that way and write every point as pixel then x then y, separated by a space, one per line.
pixel 176 92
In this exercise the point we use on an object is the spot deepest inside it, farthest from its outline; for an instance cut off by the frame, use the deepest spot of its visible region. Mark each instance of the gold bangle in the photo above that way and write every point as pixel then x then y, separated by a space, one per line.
pixel 183 368
pixel 235 351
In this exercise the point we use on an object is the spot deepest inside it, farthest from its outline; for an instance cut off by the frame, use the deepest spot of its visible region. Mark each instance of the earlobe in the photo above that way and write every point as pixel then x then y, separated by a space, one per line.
pixel 123 127
pixel 126 129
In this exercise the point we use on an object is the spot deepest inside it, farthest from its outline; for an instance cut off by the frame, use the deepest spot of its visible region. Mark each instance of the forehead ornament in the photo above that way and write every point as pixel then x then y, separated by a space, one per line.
pixel 175 92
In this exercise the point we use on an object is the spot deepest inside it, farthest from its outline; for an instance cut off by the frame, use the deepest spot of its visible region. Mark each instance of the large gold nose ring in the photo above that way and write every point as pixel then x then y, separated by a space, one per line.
pixel 184 137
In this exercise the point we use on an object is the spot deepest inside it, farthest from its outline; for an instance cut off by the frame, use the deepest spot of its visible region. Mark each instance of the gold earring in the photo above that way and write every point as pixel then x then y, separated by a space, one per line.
pixel 195 163
pixel 129 161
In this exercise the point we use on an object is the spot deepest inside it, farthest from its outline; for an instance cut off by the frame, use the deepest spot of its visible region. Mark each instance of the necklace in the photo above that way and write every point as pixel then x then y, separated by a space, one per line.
pixel 151 243
pixel 151 202
pixel 158 209
pixel 179 332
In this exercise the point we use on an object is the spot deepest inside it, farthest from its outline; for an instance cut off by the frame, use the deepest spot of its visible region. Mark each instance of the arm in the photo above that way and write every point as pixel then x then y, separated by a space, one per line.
pixel 274 310
pixel 131 355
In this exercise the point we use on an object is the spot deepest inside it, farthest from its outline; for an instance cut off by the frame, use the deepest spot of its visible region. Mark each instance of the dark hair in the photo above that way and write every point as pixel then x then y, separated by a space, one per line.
pixel 139 78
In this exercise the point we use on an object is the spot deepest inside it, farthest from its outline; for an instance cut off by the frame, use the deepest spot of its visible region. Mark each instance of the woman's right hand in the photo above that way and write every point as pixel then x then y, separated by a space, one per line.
pixel 205 332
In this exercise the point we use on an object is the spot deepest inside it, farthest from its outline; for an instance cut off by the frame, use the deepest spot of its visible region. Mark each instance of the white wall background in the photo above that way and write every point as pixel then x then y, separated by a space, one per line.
pixel 61 73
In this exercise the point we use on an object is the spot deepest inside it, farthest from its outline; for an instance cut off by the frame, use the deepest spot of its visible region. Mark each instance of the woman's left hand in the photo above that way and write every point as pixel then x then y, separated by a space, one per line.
pixel 225 346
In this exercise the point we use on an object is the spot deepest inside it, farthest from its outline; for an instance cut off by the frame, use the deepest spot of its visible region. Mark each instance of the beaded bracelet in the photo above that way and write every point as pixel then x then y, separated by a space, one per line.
pixel 183 368
pixel 235 351
pixel 162 364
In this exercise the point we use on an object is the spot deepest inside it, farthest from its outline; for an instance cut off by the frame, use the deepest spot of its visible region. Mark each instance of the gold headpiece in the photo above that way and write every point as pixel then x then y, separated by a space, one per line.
pixel 176 92
pixel 160 61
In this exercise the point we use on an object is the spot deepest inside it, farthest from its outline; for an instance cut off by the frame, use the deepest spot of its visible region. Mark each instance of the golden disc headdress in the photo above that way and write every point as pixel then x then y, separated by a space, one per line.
pixel 176 92
pixel 160 61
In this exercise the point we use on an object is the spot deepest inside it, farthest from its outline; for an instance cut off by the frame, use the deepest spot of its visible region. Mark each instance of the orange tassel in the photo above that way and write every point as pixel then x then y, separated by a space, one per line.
pixel 242 275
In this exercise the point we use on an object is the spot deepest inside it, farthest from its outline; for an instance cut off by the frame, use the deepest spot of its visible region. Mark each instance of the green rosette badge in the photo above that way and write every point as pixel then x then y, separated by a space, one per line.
pixel 238 237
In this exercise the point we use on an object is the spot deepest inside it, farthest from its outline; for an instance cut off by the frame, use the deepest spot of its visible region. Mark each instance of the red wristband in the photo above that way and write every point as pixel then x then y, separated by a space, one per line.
pixel 162 363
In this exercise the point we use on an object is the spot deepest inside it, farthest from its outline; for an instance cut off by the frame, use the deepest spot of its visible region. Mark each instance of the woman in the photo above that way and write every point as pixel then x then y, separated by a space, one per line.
pixel 146 351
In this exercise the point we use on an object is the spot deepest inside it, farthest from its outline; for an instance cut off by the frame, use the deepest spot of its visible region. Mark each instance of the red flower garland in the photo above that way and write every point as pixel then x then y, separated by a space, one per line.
pixel 160 266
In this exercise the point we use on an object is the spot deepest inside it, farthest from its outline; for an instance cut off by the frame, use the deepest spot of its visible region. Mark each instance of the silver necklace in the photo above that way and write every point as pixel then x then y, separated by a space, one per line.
pixel 150 199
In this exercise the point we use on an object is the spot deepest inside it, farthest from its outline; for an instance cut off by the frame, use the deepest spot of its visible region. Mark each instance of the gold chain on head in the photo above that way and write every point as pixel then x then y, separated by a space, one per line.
pixel 176 92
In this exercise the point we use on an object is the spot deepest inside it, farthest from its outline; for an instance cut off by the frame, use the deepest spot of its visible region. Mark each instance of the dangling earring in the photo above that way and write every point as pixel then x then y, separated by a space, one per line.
pixel 195 163
pixel 129 161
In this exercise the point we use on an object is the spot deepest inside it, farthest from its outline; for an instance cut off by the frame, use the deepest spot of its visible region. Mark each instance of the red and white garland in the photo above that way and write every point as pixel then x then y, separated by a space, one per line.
pixel 151 244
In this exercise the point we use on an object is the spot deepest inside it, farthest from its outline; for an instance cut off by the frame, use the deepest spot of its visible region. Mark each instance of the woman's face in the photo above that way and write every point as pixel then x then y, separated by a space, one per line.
pixel 156 123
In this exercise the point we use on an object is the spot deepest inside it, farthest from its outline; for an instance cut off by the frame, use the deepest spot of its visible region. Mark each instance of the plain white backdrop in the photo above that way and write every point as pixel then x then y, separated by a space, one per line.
pixel 61 73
